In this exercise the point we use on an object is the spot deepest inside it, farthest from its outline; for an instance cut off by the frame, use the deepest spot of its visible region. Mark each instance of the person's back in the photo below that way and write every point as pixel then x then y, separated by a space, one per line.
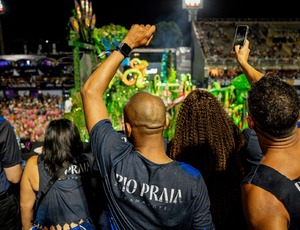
pixel 145 189
pixel 10 175
pixel 271 194
pixel 206 137
pixel 65 204
pixel 151 195
pixel 66 191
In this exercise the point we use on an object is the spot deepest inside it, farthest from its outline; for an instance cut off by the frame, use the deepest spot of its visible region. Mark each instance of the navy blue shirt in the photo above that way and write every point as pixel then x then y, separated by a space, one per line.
pixel 10 154
pixel 144 195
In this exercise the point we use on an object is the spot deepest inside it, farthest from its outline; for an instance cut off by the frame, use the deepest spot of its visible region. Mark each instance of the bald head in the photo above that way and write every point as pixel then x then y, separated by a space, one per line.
pixel 144 110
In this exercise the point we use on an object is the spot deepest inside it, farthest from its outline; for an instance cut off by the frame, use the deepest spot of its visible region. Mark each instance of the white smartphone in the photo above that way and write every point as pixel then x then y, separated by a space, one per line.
pixel 240 35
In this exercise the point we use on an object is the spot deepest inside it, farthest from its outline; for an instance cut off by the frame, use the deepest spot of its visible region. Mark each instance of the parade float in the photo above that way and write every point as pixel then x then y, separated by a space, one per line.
pixel 92 45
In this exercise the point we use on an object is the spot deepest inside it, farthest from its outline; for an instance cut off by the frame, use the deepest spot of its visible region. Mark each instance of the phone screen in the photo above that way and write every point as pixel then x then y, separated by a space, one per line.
pixel 240 36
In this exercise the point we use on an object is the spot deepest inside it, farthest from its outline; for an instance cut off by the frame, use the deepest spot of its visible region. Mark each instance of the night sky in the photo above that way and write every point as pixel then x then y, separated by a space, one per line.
pixel 35 21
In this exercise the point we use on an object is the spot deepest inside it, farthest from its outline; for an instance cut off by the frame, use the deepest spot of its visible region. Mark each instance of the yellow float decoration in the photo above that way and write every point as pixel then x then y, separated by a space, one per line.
pixel 134 62
pixel 130 75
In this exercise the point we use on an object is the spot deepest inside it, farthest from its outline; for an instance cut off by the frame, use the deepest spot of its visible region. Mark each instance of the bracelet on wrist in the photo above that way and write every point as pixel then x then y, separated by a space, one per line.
pixel 105 53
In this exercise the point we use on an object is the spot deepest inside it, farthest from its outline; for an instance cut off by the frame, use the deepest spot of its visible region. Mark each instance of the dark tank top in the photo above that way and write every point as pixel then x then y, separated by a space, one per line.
pixel 286 190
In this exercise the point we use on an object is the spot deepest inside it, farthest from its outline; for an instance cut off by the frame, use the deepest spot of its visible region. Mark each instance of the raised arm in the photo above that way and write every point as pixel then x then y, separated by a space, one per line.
pixel 94 88
pixel 242 55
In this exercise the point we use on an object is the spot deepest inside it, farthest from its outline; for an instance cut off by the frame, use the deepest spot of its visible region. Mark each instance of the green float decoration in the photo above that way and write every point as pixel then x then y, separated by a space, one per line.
pixel 92 45
pixel 233 98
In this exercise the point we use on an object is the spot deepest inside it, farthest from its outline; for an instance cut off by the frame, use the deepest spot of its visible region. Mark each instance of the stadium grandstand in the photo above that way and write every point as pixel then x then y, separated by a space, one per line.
pixel 274 44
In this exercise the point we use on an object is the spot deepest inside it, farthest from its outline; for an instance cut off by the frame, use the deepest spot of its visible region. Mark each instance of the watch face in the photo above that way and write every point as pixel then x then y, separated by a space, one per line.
pixel 125 48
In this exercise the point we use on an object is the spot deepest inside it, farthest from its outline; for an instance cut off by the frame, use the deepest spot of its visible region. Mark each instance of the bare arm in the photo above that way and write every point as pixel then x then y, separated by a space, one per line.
pixel 94 88
pixel 29 186
pixel 262 210
pixel 14 173
pixel 242 55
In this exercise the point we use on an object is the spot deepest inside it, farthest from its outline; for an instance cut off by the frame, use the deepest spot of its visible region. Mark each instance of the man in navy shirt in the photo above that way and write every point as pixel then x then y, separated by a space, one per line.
pixel 145 189
pixel 10 174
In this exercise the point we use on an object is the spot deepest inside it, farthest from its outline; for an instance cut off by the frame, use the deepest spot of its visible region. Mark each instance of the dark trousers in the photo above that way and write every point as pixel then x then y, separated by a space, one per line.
pixel 10 218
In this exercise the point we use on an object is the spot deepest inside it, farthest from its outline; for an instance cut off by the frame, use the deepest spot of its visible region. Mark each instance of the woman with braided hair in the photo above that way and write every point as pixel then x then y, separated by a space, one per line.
pixel 206 137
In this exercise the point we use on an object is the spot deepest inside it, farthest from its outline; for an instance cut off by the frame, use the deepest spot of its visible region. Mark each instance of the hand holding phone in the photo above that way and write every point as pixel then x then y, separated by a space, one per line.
pixel 240 35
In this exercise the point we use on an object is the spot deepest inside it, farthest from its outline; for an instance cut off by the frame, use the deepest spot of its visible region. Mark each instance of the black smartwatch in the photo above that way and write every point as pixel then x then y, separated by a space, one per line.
pixel 124 49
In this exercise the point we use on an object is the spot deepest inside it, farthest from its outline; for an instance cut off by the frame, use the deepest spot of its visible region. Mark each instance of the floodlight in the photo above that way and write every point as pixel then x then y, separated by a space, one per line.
pixel 192 4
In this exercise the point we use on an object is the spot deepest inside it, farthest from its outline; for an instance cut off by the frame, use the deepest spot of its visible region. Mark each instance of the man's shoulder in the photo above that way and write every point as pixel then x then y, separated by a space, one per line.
pixel 271 180
pixel 101 125
pixel 4 125
pixel 186 170
pixel 3 121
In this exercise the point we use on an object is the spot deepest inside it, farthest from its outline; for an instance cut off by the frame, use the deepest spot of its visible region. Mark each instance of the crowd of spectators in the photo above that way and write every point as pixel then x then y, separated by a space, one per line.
pixel 269 39
pixel 30 115
pixel 275 47
pixel 34 71
pixel 37 82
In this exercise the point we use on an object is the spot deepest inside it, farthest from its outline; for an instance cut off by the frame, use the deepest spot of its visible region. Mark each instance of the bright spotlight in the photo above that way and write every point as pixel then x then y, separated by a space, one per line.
pixel 192 4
